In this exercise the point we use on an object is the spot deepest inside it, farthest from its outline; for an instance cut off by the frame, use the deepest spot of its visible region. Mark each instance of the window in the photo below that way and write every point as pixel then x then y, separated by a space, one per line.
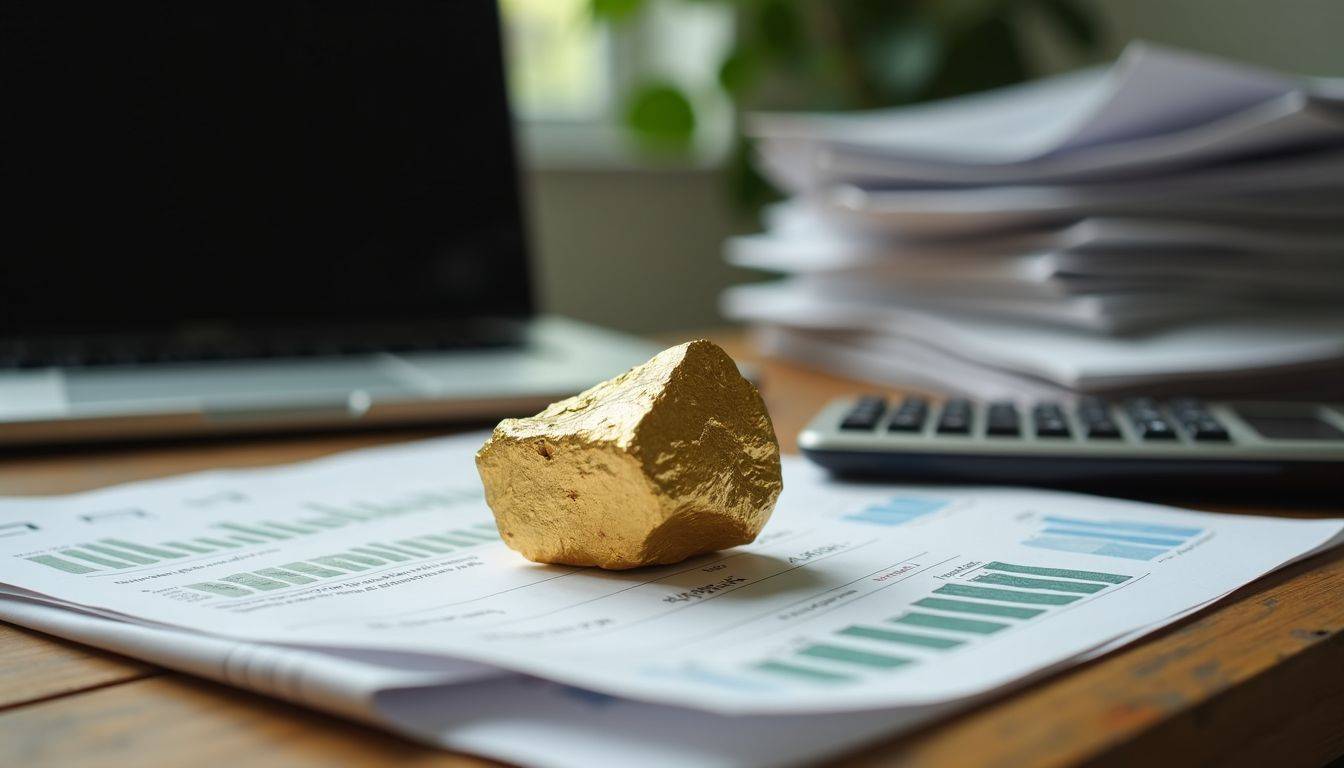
pixel 569 73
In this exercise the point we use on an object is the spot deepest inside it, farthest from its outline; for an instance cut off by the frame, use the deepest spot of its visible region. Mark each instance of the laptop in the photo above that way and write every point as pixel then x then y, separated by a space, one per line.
pixel 260 215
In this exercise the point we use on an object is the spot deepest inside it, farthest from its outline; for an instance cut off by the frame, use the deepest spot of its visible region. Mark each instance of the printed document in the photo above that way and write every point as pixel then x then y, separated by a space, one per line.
pixel 855 597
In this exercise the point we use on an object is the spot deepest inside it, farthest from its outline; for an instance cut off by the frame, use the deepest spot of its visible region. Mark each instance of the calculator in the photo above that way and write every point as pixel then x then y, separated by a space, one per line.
pixel 1134 443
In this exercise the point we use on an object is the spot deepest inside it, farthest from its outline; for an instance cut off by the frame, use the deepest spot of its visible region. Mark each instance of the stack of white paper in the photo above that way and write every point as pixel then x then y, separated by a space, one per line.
pixel 374 586
pixel 1105 212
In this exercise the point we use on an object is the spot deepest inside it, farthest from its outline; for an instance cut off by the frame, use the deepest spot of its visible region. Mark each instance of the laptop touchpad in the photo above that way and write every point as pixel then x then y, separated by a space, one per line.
pixel 204 382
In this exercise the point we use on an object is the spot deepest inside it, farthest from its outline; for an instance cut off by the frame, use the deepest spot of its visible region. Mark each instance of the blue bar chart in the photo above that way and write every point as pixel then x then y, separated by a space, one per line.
pixel 1113 538
pixel 897 510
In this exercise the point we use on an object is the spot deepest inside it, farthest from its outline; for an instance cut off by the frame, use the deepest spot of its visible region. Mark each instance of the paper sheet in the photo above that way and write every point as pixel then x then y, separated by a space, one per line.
pixel 1156 109
pixel 1076 360
pixel 855 597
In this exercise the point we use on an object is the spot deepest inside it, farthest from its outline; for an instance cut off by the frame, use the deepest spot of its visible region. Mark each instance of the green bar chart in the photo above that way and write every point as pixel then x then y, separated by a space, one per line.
pixel 357 559
pixel 113 554
pixel 983 602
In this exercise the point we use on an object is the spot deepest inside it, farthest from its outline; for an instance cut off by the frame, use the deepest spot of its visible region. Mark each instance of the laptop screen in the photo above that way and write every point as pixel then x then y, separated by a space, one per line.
pixel 272 161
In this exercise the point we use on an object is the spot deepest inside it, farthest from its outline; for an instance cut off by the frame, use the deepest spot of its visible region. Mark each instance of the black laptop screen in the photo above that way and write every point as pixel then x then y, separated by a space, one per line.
pixel 263 161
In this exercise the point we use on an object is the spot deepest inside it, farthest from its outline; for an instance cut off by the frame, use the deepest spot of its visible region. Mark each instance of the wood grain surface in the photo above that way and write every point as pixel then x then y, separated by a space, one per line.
pixel 1256 680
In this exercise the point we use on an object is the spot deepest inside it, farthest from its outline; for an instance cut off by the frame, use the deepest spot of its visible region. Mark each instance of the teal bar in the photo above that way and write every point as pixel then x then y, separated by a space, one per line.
pixel 902 638
pixel 247 539
pixel 392 548
pixel 984 609
pixel 223 590
pixel 251 530
pixel 134 558
pixel 365 559
pixel 285 576
pixel 420 550
pixel 220 543
pixel 487 526
pixel 803 673
pixel 322 522
pixel 313 570
pixel 431 547
pixel 1005 580
pixel 952 623
pixel 429 541
pixel 852 656
pixel 287 527
pixel 188 547
pixel 60 565
pixel 110 563
pixel 383 553
pixel 340 562
pixel 1063 573
pixel 1006 595
pixel 255 582
pixel 141 548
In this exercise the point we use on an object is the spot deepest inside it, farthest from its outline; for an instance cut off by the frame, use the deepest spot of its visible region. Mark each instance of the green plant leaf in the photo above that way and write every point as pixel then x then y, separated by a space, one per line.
pixel 739 69
pixel 1075 21
pixel 614 10
pixel 661 116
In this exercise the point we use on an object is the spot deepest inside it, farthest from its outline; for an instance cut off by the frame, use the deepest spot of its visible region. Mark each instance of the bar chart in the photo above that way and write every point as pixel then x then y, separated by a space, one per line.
pixel 349 561
pixel 997 598
pixel 897 510
pixel 1111 538
pixel 111 554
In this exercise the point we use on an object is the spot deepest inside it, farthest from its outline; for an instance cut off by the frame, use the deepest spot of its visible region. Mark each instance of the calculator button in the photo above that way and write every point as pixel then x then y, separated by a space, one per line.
pixel 909 416
pixel 1049 421
pixel 1101 429
pixel 1095 415
pixel 865 414
pixel 956 418
pixel 1155 429
pixel 1002 420
pixel 1207 430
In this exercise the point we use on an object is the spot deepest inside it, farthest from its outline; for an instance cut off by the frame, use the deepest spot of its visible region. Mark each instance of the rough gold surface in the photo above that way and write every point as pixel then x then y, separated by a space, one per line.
pixel 671 459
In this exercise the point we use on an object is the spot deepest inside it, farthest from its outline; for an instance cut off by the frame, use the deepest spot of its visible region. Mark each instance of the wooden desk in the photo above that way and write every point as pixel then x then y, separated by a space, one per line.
pixel 1257 680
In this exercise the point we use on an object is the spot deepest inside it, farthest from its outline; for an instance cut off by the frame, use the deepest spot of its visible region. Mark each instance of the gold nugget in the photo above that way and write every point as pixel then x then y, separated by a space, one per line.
pixel 670 459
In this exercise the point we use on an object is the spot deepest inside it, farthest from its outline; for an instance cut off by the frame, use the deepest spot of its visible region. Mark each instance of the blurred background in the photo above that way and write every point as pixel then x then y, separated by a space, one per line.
pixel 627 110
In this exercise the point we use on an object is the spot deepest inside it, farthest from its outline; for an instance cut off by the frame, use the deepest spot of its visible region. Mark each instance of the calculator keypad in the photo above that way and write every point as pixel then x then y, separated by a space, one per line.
pixel 1094 419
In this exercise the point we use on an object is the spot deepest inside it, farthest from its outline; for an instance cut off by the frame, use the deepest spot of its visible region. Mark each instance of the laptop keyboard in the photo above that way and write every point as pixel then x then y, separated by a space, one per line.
pixel 103 351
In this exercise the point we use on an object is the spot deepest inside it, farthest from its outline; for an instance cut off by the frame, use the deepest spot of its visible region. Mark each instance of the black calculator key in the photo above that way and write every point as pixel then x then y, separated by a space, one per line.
pixel 1002 420
pixel 1155 429
pixel 956 418
pixel 1101 429
pixel 909 416
pixel 1208 430
pixel 865 414
pixel 1049 421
